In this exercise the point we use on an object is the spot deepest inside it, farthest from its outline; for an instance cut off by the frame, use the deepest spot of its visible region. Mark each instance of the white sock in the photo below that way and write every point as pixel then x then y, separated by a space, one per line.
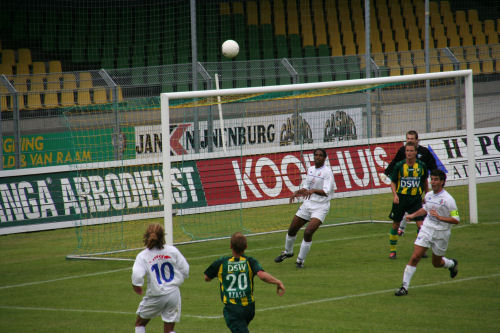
pixel 289 243
pixel 403 223
pixel 140 329
pixel 407 275
pixel 448 263
pixel 304 250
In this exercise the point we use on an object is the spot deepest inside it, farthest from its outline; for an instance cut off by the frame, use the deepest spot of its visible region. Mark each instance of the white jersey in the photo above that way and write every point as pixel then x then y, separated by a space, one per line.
pixel 445 206
pixel 165 269
pixel 319 179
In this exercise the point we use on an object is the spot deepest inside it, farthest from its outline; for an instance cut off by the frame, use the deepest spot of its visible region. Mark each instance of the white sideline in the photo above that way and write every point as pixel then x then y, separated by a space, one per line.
pixel 323 300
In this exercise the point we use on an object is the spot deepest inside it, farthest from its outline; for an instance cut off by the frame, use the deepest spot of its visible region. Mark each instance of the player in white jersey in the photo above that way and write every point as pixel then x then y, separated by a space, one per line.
pixel 317 191
pixel 165 269
pixel 435 233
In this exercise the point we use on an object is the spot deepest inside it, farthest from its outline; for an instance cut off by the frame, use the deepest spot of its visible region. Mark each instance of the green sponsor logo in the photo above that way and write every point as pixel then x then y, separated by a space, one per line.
pixel 96 193
pixel 68 148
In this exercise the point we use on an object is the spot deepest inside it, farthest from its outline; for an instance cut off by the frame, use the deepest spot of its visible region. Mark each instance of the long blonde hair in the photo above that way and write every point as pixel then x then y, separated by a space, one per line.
pixel 154 237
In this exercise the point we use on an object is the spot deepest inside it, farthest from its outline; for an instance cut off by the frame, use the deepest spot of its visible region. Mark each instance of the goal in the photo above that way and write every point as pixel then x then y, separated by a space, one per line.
pixel 246 150
pixel 234 156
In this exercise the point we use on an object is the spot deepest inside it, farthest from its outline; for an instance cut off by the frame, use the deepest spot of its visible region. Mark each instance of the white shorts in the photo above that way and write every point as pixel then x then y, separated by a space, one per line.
pixel 310 209
pixel 169 306
pixel 435 239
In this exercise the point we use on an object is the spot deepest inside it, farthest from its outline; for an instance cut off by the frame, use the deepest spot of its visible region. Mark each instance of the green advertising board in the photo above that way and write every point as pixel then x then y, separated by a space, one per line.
pixel 64 148
pixel 95 194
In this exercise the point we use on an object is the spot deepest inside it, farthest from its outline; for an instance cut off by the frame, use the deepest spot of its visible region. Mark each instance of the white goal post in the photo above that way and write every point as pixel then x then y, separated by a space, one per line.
pixel 168 98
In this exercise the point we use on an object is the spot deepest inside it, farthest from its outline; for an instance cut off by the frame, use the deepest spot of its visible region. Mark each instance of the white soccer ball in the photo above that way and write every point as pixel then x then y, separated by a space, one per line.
pixel 230 48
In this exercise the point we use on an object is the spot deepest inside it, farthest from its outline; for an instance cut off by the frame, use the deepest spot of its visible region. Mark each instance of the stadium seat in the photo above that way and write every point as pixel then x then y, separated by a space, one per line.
pixel 8 57
pixel 120 94
pixel 22 68
pixel 36 83
pixel 69 81
pixel 53 82
pixel 67 98
pixel 100 95
pixel 55 66
pixel 83 97
pixel 6 69
pixel 38 67
pixel 50 100
pixel 85 80
pixel 24 56
pixel 33 101
pixel 5 99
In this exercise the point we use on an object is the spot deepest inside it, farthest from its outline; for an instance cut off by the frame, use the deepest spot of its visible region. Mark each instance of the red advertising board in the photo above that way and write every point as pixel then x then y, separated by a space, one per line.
pixel 277 175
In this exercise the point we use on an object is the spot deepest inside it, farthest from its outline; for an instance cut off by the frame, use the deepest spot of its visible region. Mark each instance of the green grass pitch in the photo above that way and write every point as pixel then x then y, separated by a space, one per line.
pixel 347 285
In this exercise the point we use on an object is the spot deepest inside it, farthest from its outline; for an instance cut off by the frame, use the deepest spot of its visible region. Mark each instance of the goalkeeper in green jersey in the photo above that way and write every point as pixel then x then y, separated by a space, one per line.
pixel 235 274
pixel 408 183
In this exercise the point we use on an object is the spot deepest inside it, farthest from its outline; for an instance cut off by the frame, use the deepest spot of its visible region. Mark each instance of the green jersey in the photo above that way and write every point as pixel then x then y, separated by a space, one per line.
pixel 409 179
pixel 235 277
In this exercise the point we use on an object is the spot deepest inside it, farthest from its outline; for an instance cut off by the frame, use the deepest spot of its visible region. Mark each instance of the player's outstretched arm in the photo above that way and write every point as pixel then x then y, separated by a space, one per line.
pixel 266 277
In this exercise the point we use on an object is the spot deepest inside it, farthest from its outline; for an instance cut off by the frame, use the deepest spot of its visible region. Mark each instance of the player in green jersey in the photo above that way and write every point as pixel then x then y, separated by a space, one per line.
pixel 235 274
pixel 408 183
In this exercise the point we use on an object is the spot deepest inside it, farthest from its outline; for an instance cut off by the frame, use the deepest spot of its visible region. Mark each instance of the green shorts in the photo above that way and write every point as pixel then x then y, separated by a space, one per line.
pixel 407 204
pixel 238 317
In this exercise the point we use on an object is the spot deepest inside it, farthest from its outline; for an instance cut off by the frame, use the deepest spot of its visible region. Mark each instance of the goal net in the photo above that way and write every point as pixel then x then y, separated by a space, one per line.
pixel 234 156
pixel 254 145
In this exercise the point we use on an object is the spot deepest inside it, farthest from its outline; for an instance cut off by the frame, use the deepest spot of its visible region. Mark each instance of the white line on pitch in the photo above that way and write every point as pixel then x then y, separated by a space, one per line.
pixel 323 300
pixel 24 308
pixel 330 299
pixel 64 278
pixel 195 258
pixel 296 245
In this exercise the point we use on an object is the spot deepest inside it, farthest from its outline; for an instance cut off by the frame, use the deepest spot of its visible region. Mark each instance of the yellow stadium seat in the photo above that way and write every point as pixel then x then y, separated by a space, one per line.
pixel 120 94
pixel 34 101
pixel 69 81
pixel 22 68
pixel 493 38
pixel 55 66
pixel 100 95
pixel 20 101
pixel 265 12
pixel 24 55
pixel 67 98
pixel 5 104
pixel 36 83
pixel 472 15
pixel 489 26
pixel 460 17
pixel 53 82
pixel 51 100
pixel 38 67
pixel 292 16
pixel 83 97
pixel 279 18
pixel 6 69
pixel 85 80
pixel 252 14
pixel 467 40
pixel 20 83
pixel 8 57
pixel 487 67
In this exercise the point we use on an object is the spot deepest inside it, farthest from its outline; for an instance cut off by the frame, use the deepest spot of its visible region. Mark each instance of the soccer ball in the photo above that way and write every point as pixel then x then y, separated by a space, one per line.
pixel 230 48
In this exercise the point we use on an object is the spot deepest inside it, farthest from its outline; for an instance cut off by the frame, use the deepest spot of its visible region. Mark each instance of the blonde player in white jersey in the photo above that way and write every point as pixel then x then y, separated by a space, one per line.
pixel 317 191
pixel 165 268
pixel 435 233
